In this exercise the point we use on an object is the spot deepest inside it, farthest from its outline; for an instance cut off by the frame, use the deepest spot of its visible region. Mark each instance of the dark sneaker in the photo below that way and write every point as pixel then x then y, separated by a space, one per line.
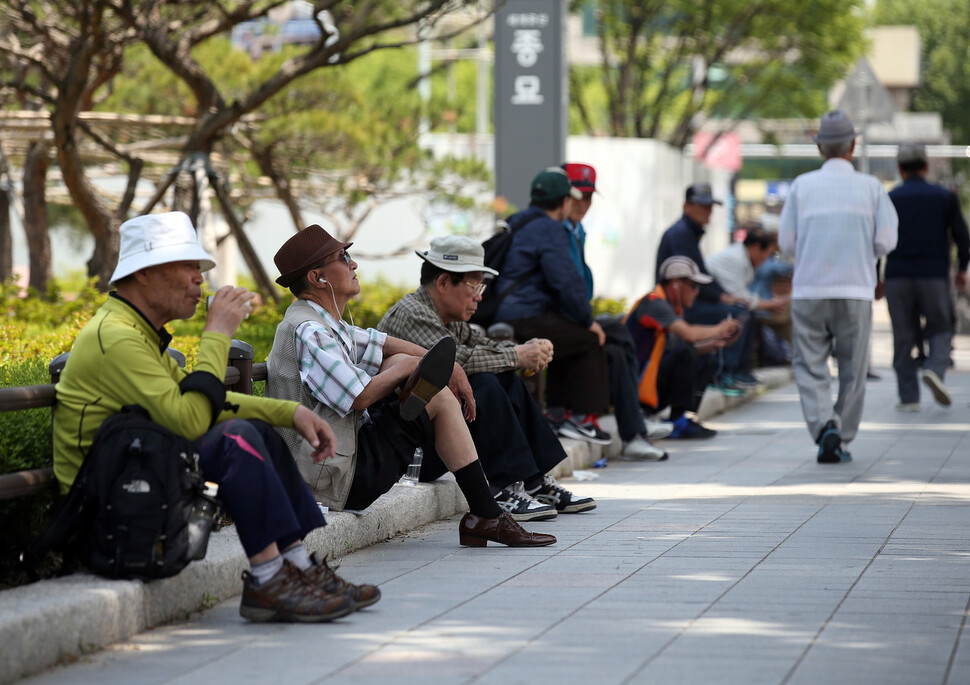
pixel 523 506
pixel 326 578
pixel 565 502
pixel 745 379
pixel 688 429
pixel 932 381
pixel 569 428
pixel 290 597
pixel 830 450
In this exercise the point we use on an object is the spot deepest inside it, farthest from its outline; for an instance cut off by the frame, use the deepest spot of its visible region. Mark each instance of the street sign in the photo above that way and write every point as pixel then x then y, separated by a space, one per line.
pixel 865 99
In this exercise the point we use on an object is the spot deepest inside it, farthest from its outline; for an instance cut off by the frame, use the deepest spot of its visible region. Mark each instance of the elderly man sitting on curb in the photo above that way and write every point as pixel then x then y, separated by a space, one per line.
pixel 349 375
pixel 675 366
pixel 510 432
pixel 119 359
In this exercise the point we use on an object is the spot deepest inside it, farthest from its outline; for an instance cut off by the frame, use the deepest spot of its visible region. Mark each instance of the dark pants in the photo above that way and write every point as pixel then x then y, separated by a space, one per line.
pixel 577 377
pixel 621 362
pixel 683 376
pixel 259 484
pixel 909 299
pixel 513 439
pixel 737 357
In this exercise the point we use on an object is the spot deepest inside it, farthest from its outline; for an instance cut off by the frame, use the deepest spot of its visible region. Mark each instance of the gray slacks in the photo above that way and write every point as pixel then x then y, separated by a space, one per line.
pixel 819 328
pixel 908 299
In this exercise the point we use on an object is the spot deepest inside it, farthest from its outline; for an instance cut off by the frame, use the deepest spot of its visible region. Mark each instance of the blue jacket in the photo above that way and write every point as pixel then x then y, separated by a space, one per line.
pixel 541 249
pixel 929 217
pixel 577 251
pixel 683 240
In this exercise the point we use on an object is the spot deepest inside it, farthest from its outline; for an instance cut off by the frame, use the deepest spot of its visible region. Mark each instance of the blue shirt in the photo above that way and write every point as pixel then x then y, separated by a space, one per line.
pixel 577 252
pixel 929 217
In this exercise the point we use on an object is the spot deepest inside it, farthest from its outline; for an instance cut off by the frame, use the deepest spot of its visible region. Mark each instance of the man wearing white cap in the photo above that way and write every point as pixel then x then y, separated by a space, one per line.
pixel 119 359
pixel 516 444
pixel 836 223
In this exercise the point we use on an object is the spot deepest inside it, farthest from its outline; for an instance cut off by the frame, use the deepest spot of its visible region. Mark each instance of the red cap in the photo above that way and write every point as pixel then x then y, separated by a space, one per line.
pixel 582 176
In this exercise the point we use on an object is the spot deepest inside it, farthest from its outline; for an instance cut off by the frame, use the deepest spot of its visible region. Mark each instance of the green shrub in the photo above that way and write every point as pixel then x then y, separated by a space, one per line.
pixel 606 305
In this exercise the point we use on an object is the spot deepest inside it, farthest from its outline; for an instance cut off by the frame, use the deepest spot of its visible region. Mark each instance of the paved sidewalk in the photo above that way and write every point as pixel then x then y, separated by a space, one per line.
pixel 740 560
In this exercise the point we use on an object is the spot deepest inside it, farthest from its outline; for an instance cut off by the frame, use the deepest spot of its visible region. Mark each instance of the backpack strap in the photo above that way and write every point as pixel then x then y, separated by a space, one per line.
pixel 213 390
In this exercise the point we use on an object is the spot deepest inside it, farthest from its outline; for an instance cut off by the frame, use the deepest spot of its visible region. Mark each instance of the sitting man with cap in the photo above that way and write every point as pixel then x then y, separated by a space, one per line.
pixel 348 375
pixel 516 444
pixel 713 302
pixel 119 359
pixel 675 364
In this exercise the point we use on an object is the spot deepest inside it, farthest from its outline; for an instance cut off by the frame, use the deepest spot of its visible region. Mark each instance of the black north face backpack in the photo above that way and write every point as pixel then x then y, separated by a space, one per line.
pixel 127 513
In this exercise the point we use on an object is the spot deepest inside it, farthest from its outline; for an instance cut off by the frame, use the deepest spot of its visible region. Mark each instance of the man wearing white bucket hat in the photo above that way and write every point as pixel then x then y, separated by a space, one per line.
pixel 836 223
pixel 119 359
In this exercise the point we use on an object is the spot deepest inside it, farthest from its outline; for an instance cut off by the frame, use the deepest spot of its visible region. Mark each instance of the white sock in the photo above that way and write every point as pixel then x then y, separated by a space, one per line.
pixel 298 556
pixel 266 570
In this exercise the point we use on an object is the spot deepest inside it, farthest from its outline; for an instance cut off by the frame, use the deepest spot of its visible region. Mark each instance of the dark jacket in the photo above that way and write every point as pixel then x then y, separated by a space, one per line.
pixel 541 249
pixel 683 240
pixel 929 217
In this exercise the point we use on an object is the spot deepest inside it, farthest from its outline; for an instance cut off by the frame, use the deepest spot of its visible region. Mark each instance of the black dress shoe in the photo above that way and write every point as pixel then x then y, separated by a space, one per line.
pixel 475 531
pixel 432 374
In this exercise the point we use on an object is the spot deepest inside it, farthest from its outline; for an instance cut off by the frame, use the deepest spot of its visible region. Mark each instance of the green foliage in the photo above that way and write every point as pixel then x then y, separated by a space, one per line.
pixel 607 305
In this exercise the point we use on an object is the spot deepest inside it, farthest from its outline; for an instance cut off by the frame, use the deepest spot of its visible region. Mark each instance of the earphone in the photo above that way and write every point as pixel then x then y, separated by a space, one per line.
pixel 321 280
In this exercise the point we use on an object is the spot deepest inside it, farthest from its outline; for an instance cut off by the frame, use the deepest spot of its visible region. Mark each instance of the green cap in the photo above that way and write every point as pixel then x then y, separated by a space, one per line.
pixel 553 184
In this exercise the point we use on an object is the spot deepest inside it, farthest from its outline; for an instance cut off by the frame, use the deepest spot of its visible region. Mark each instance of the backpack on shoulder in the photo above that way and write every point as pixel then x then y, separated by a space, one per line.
pixel 496 250
pixel 128 512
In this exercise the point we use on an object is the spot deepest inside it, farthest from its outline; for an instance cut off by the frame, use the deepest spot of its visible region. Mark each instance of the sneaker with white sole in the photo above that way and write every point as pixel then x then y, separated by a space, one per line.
pixel 569 428
pixel 522 506
pixel 935 384
pixel 641 449
pixel 658 430
pixel 565 502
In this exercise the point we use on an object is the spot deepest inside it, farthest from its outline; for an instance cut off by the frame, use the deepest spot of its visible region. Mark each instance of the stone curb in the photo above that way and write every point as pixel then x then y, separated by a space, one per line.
pixel 57 620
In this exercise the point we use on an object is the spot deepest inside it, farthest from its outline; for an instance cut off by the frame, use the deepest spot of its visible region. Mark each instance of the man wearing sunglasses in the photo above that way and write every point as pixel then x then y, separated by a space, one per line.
pixel 516 444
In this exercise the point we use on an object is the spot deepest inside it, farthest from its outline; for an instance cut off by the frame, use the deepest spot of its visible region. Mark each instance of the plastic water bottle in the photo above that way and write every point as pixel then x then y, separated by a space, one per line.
pixel 414 469
pixel 202 520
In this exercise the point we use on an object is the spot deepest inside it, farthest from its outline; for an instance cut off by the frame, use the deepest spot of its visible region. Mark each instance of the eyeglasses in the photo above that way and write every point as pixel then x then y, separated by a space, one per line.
pixel 478 288
pixel 346 258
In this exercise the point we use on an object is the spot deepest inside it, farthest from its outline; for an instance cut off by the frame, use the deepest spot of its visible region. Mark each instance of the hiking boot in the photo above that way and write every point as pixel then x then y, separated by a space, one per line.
pixel 326 578
pixel 641 449
pixel 688 429
pixel 565 502
pixel 290 597
pixel 523 506
pixel 935 384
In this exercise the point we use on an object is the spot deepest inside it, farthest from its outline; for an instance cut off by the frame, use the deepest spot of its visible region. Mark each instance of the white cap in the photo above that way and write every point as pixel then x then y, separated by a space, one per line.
pixel 155 239
pixel 457 254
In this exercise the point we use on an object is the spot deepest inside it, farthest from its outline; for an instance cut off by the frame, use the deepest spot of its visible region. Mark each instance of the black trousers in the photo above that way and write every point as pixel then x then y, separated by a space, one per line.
pixel 577 377
pixel 683 377
pixel 512 437
pixel 621 357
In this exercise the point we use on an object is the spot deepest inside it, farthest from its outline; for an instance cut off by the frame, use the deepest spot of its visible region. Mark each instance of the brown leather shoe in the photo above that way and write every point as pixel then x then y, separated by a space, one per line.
pixel 321 575
pixel 432 374
pixel 475 531
pixel 290 597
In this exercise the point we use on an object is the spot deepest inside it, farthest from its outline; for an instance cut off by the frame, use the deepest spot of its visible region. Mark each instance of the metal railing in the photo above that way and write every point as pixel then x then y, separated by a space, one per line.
pixel 240 376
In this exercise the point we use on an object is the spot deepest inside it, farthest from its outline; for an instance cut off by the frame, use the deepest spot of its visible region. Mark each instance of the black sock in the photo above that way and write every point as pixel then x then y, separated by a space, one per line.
pixel 532 483
pixel 474 486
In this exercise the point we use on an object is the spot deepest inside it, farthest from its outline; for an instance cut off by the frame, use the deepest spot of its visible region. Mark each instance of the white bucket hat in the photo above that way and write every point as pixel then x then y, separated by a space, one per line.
pixel 155 239
pixel 457 254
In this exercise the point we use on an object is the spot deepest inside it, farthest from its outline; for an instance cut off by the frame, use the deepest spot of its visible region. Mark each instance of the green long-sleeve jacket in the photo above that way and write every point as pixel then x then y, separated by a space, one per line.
pixel 119 359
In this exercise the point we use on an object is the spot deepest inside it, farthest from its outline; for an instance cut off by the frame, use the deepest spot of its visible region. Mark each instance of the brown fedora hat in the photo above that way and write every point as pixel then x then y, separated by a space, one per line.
pixel 302 252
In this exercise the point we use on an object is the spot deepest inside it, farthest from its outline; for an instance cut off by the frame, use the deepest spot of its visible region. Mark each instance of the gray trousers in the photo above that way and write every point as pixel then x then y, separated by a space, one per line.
pixel 820 327
pixel 909 299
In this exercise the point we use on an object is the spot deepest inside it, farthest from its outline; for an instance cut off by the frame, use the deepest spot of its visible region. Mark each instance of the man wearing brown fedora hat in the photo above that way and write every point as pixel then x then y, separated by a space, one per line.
pixel 516 444
pixel 349 376
pixel 119 360
pixel 836 223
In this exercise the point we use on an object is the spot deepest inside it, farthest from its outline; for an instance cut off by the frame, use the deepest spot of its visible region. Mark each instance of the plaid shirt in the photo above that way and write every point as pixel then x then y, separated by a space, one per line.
pixel 334 375
pixel 414 318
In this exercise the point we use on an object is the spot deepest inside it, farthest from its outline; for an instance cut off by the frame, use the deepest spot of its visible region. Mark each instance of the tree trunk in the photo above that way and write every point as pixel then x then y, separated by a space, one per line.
pixel 6 240
pixel 281 182
pixel 36 164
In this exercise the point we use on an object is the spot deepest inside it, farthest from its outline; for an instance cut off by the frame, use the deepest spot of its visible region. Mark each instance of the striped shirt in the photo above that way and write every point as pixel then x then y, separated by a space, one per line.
pixel 337 360
pixel 836 223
